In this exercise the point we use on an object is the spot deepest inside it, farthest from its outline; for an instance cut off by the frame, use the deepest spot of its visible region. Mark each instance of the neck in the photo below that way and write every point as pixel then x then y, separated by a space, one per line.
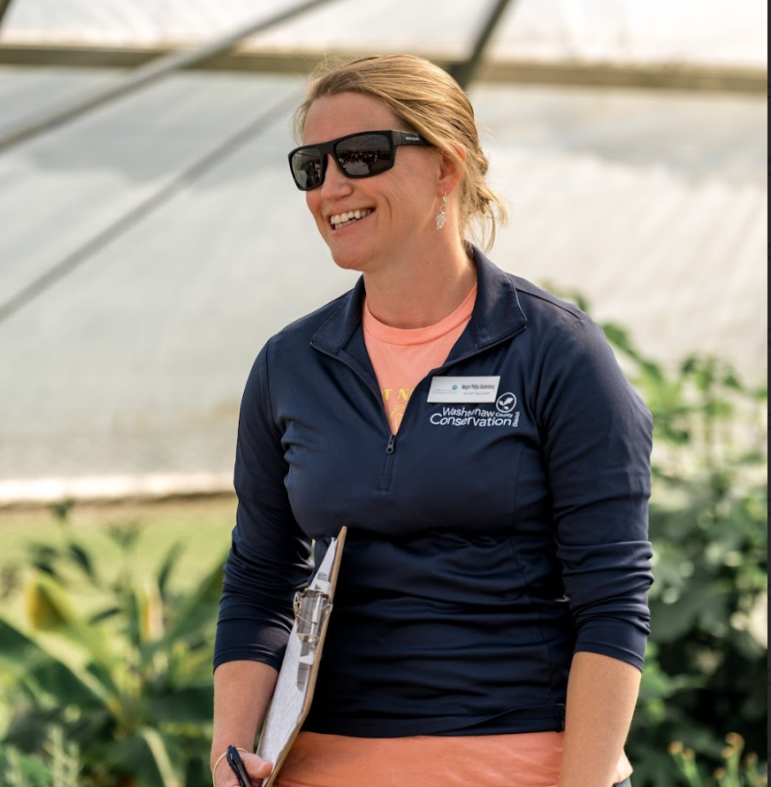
pixel 417 292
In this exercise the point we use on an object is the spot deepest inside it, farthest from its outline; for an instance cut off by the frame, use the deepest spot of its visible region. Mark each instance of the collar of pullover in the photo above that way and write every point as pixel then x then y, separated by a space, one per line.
pixel 497 313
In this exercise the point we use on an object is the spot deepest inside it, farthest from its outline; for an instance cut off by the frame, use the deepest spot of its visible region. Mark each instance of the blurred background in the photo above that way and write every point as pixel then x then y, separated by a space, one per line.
pixel 151 240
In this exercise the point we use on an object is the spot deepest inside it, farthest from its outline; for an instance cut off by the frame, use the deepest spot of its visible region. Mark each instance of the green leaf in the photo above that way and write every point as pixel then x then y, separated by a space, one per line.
pixel 172 558
pixel 125 535
pixel 82 559
pixel 53 616
pixel 200 609
pixel 50 610
pixel 61 509
pixel 144 614
pixel 27 660
pixel 24 770
pixel 619 336
pixel 163 756
pixel 148 757
pixel 103 615
pixel 185 706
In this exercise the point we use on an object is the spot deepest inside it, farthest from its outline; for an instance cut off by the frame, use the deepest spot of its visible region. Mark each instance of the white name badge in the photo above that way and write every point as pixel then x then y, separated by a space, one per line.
pixel 453 390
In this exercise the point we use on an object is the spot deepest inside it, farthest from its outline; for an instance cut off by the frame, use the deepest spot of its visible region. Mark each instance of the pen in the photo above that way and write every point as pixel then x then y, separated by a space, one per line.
pixel 237 766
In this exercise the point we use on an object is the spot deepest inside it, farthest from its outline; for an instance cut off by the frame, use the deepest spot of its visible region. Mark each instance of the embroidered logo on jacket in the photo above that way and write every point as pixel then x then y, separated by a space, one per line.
pixel 506 403
pixel 504 415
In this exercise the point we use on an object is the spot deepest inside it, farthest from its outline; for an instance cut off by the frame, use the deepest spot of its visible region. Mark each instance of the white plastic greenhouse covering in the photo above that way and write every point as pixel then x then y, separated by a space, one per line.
pixel 672 32
pixel 189 245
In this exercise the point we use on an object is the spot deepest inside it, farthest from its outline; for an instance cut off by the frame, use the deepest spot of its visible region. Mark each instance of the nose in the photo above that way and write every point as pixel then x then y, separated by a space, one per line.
pixel 335 182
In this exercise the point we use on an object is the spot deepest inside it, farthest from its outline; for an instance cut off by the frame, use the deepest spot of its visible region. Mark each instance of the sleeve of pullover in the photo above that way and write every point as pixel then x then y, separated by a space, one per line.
pixel 269 558
pixel 597 441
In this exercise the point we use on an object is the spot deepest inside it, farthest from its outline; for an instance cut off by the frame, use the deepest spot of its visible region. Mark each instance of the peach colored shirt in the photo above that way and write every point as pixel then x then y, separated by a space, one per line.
pixel 401 358
pixel 526 759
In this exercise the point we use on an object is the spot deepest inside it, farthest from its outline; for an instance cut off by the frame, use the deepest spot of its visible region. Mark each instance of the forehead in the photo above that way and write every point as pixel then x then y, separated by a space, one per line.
pixel 330 117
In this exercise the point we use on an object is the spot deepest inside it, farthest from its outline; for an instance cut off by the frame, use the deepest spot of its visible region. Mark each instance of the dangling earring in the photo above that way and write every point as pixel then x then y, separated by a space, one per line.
pixel 441 217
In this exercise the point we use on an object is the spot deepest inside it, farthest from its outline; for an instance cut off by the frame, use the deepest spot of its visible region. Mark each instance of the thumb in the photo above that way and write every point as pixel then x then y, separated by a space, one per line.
pixel 256 767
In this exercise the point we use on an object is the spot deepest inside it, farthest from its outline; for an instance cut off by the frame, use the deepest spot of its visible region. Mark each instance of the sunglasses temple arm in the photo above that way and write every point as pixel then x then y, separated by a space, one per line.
pixel 409 138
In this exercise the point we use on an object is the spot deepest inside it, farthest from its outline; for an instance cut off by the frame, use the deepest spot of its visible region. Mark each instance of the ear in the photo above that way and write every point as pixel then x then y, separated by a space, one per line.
pixel 451 169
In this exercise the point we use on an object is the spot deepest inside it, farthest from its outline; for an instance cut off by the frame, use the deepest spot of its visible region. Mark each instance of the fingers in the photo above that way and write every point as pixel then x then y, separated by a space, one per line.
pixel 256 767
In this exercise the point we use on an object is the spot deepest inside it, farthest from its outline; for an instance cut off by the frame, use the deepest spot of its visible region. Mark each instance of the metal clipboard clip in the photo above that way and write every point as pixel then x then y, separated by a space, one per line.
pixel 311 610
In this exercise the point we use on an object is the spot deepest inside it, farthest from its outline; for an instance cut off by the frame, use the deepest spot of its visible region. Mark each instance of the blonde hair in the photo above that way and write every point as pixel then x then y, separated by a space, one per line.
pixel 428 101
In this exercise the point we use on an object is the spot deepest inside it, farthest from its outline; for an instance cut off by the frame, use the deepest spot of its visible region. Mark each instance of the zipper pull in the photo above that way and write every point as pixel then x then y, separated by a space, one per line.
pixel 391 444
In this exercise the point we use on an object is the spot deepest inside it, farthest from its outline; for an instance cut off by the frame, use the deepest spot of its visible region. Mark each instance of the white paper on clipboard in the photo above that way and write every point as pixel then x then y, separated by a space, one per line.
pixel 297 677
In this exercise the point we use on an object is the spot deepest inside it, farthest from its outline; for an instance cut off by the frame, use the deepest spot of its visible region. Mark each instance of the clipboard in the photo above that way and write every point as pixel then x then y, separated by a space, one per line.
pixel 297 677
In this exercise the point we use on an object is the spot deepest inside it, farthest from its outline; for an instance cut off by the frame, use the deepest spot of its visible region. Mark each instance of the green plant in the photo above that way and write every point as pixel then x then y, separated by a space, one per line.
pixel 705 663
pixel 57 765
pixel 129 683
pixel 733 772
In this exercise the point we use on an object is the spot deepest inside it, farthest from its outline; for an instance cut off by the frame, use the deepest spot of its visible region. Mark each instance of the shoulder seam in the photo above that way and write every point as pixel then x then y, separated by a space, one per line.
pixel 557 303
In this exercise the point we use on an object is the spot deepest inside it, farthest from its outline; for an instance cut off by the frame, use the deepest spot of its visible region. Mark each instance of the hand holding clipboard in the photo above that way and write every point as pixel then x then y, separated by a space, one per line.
pixel 297 678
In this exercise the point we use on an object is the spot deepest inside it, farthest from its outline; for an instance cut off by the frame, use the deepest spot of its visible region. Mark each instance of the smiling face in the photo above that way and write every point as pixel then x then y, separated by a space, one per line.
pixel 396 209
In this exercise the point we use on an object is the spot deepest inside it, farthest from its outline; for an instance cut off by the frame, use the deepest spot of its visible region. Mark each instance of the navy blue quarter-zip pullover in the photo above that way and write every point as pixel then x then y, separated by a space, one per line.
pixel 488 540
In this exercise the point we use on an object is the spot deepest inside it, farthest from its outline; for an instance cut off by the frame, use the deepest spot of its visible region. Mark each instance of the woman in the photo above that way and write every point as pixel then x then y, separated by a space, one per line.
pixel 491 463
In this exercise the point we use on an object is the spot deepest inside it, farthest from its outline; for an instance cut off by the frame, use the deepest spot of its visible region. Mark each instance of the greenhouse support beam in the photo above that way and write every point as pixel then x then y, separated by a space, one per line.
pixel 142 76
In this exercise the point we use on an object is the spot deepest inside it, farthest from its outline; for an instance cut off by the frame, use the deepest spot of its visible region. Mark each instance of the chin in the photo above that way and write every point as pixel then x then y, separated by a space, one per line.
pixel 350 260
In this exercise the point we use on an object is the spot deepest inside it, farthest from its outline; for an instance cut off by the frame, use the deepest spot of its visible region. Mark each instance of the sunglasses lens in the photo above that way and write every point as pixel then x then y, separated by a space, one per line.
pixel 364 155
pixel 359 156
pixel 306 168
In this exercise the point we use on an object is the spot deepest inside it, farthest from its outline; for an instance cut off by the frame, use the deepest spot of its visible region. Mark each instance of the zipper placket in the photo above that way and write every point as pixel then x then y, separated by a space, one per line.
pixel 385 478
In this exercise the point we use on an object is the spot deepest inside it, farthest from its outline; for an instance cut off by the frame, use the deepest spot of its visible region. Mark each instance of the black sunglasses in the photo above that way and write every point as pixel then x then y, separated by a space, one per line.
pixel 360 155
